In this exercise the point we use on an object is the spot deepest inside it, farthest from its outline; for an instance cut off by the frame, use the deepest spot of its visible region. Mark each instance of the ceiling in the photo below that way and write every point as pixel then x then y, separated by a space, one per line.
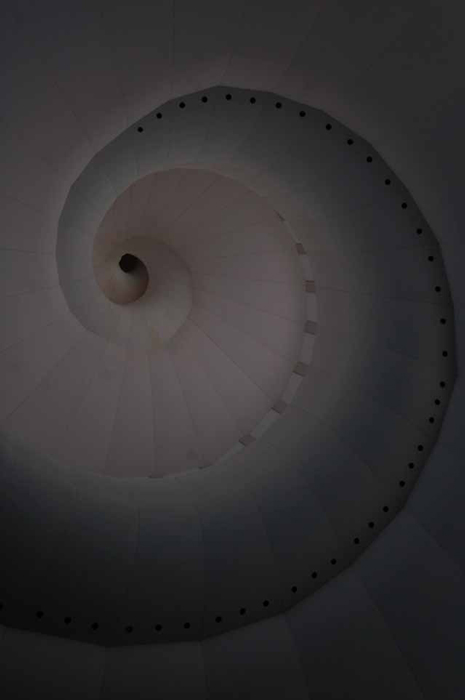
pixel 253 471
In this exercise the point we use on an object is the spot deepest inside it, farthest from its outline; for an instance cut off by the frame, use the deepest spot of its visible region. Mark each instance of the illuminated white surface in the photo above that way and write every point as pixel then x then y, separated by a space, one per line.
pixel 72 88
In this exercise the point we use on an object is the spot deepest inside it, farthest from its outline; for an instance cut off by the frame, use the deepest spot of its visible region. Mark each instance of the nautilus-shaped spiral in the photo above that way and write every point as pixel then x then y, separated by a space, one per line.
pixel 227 352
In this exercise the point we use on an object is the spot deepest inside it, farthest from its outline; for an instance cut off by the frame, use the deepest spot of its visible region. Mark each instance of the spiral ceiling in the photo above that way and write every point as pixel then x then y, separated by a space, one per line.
pixel 231 339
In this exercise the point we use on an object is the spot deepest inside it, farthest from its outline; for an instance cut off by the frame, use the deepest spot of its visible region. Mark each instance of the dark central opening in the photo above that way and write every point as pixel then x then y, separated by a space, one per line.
pixel 128 262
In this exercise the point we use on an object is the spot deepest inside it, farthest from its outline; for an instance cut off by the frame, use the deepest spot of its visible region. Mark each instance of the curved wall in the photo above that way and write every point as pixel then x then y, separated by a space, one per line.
pixel 395 614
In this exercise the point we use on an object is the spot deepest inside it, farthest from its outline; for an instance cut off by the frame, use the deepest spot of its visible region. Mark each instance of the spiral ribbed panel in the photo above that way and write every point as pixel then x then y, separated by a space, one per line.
pixel 303 534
